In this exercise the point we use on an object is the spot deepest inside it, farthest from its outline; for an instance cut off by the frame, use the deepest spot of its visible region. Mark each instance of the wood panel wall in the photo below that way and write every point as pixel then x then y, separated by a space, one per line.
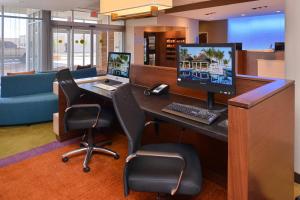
pixel 149 75
pixel 261 148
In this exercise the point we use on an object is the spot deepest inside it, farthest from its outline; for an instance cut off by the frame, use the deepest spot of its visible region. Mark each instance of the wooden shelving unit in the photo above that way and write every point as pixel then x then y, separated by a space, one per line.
pixel 171 45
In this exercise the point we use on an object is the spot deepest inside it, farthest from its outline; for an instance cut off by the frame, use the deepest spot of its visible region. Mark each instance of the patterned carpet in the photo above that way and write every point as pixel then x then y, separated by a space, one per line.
pixel 16 139
pixel 47 177
pixel 32 169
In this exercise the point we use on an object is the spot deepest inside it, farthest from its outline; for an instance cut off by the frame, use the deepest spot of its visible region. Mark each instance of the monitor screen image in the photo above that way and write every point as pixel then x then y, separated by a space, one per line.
pixel 209 66
pixel 119 64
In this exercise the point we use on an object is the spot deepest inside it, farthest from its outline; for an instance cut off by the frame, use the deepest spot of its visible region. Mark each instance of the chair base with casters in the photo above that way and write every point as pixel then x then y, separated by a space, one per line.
pixel 89 147
pixel 83 117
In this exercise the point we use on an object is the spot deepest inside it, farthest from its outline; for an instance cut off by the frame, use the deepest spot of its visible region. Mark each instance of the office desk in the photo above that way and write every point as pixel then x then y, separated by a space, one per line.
pixel 255 156
pixel 153 105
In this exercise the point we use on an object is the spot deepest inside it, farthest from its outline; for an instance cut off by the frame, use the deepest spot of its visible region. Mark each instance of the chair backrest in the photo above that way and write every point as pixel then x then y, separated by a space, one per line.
pixel 130 115
pixel 68 86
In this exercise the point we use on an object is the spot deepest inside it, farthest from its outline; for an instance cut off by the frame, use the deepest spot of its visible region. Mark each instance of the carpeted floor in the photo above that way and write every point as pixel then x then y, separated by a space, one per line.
pixel 42 175
pixel 46 177
pixel 16 139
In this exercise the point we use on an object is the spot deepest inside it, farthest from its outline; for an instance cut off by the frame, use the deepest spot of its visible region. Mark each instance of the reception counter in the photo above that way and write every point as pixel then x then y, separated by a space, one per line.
pixel 253 157
pixel 247 61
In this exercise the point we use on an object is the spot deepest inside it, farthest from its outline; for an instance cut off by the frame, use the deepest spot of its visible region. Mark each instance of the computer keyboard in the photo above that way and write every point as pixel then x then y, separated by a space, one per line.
pixel 191 112
pixel 105 87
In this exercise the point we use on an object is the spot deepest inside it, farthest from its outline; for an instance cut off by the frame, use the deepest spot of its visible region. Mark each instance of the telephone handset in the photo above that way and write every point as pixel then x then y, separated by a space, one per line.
pixel 157 89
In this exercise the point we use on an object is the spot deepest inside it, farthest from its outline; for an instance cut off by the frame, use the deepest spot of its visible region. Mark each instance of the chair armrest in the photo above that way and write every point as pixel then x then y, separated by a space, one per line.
pixel 142 153
pixel 82 95
pixel 151 122
pixel 78 106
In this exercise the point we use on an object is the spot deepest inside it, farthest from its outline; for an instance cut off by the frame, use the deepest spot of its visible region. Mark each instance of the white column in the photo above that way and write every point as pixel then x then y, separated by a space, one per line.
pixel 292 57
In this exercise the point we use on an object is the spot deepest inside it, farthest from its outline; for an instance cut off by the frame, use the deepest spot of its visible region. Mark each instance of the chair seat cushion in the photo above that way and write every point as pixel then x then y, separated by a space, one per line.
pixel 153 174
pixel 84 118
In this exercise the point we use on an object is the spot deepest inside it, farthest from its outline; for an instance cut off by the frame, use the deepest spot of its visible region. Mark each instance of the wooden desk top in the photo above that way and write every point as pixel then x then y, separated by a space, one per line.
pixel 153 105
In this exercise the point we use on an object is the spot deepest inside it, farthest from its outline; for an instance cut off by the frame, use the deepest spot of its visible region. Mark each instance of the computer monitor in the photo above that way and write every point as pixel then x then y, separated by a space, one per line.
pixel 239 46
pixel 210 67
pixel 279 46
pixel 118 66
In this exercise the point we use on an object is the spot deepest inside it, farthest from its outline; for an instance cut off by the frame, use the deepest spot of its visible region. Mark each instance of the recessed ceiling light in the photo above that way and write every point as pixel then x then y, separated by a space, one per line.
pixel 243 15
pixel 260 7
pixel 211 13
pixel 278 11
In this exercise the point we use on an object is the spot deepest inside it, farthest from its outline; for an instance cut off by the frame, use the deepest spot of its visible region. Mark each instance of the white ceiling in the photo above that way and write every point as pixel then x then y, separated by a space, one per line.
pixel 234 10
pixel 69 4
pixel 58 5
pixel 222 12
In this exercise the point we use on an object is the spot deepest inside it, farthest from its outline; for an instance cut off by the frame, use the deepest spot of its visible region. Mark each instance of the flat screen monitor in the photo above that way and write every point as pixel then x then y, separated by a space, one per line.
pixel 279 46
pixel 210 67
pixel 239 46
pixel 118 66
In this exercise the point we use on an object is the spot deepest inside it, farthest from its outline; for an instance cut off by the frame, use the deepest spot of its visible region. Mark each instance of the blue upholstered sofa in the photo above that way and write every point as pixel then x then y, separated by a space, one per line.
pixel 27 99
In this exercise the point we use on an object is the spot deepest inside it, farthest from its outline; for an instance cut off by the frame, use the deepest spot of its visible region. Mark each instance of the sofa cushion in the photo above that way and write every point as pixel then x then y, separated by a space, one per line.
pixel 26 84
pixel 28 109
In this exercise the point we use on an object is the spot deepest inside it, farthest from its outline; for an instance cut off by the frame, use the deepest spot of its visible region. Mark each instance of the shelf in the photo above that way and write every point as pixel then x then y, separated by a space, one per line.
pixel 171 48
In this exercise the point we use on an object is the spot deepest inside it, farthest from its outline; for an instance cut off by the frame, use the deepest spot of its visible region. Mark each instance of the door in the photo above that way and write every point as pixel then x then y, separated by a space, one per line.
pixel 82 47
pixel 61 48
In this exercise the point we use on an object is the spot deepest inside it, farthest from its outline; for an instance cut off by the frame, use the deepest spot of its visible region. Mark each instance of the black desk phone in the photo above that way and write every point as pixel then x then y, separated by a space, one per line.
pixel 157 89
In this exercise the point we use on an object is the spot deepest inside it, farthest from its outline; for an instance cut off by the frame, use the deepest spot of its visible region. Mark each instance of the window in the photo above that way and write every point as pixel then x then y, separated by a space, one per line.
pixel 10 45
pixel 76 44
pixel 73 47
pixel 20 41
pixel 61 48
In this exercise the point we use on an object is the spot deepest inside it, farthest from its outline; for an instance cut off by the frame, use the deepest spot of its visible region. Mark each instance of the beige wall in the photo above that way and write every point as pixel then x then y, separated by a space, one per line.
pixel 134 35
pixel 134 38
pixel 217 30
pixel 292 52
pixel 191 26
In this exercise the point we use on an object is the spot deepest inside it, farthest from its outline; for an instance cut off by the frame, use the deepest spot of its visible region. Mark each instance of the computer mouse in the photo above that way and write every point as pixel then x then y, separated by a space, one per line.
pixel 224 123
pixel 106 81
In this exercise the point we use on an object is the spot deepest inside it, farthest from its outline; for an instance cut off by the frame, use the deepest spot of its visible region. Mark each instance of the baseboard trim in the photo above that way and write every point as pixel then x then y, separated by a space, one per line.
pixel 297 177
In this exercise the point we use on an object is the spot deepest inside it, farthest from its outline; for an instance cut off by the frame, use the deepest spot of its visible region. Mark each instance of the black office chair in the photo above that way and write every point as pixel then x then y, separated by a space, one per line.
pixel 83 117
pixel 162 168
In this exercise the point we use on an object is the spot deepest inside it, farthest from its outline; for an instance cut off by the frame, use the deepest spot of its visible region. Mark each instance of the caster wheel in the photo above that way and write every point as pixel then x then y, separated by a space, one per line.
pixel 116 157
pixel 65 159
pixel 86 169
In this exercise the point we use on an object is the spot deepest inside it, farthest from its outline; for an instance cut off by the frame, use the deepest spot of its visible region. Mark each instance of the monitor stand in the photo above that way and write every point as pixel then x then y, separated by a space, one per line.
pixel 211 104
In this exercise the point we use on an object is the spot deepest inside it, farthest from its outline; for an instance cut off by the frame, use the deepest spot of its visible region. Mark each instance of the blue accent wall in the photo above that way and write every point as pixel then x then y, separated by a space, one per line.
pixel 259 32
